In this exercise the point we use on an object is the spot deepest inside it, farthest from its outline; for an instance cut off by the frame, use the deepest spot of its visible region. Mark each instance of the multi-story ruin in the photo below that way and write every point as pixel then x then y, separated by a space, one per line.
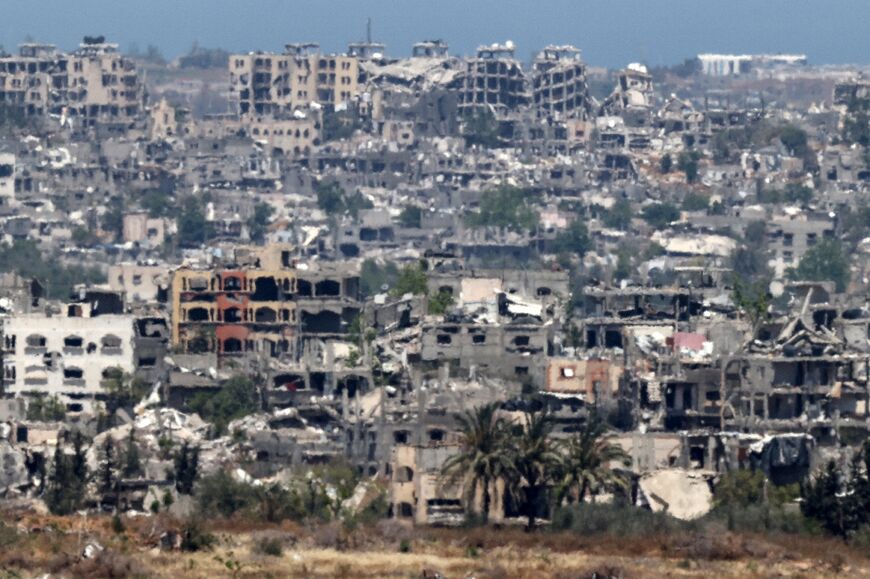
pixel 264 83
pixel 94 83
pixel 494 79
pixel 559 83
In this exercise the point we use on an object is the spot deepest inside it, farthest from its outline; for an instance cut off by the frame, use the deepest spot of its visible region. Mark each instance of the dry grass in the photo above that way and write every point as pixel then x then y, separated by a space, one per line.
pixel 48 544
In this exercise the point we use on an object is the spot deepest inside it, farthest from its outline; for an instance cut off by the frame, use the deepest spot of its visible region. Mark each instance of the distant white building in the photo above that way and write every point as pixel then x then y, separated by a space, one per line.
pixel 65 356
pixel 737 64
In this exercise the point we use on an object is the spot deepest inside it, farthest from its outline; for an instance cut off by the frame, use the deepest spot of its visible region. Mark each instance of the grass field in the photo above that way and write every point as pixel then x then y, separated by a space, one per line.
pixel 31 546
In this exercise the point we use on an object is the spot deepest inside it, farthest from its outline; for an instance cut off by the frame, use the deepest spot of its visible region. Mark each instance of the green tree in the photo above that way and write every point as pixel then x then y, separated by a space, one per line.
pixel 696 202
pixel 855 223
pixel 506 207
pixel 186 468
pixel 744 488
pixel 440 303
pixel 821 501
pixel 46 409
pixel 123 391
pixel 619 215
pixel 856 124
pixel 83 237
pixel 411 217
pixel 586 463
pixel 687 162
pixel 221 494
pixel 65 487
pixel 749 260
pixel 340 124
pixel 356 203
pixel 825 261
pixel 258 222
pixel 236 398
pixel 107 472
pixel 660 215
pixel 755 233
pixel 193 228
pixel 58 494
pixel 334 200
pixel 412 280
pixel 624 267
pixel 373 277
pixel 157 203
pixel 666 163
pixel 750 263
pixel 574 239
pixel 481 128
pixel 113 218
pixel 483 456
pixel 535 461
pixel 796 193
pixel 753 298
pixel 132 463
pixel 24 258
pixel 794 139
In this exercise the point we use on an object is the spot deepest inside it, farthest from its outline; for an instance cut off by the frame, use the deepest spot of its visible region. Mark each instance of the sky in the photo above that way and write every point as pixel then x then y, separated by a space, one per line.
pixel 610 32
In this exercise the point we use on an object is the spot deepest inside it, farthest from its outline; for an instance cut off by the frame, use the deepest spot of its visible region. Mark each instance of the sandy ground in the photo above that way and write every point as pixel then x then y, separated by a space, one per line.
pixel 506 561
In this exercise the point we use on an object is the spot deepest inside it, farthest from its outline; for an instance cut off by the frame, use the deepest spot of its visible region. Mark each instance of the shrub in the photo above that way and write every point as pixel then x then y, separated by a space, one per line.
pixel 404 546
pixel 108 563
pixel 412 280
pixel 117 524
pixel 603 572
pixel 440 303
pixel 331 536
pixel 220 493
pixel 237 397
pixel 8 535
pixel 272 547
pixel 763 518
pixel 507 208
pixel 660 215
pixel 612 519
pixel 196 538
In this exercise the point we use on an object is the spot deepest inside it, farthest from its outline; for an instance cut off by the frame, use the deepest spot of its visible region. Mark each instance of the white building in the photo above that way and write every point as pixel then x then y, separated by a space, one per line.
pixel 139 283
pixel 65 356
pixel 7 179
pixel 737 64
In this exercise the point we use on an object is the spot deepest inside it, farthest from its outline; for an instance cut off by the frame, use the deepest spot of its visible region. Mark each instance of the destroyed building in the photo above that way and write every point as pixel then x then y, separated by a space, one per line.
pixel 333 240
pixel 265 83
pixel 92 84
pixel 494 80
pixel 559 83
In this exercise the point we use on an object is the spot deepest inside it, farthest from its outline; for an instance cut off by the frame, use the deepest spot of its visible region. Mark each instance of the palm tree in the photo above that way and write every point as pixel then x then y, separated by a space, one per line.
pixel 483 457
pixel 586 460
pixel 535 460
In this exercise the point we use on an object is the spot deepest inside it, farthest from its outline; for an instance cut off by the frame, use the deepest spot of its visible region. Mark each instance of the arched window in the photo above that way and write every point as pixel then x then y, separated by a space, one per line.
pixel 232 345
pixel 404 474
pixel 111 344
pixel 197 315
